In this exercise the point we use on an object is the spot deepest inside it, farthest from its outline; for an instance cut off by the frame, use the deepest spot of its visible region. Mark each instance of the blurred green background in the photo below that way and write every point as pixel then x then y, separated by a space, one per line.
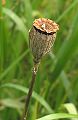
pixel 56 86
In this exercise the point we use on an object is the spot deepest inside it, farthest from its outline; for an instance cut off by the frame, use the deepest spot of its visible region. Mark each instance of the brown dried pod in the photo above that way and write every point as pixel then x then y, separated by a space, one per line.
pixel 42 36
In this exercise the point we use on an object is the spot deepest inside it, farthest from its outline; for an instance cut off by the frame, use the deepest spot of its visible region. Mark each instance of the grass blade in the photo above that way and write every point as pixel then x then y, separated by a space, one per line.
pixel 67 10
pixel 13 64
pixel 66 51
pixel 12 103
pixel 34 95
pixel 17 20
pixel 58 116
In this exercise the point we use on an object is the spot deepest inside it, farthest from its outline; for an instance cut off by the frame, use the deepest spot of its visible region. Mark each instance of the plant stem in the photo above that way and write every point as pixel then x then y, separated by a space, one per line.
pixel 34 72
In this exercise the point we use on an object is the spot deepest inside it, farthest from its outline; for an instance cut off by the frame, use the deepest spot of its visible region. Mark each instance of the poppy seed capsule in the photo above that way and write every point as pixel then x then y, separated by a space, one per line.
pixel 41 37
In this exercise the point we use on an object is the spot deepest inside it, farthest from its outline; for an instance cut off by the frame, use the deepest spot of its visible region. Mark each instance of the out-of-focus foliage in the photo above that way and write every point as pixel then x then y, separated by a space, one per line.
pixel 56 86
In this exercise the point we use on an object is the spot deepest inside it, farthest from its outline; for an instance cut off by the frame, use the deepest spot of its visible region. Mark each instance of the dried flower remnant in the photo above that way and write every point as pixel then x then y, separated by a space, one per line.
pixel 42 36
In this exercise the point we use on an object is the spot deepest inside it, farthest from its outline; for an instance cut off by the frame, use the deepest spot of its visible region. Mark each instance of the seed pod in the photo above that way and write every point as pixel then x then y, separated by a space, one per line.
pixel 42 36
